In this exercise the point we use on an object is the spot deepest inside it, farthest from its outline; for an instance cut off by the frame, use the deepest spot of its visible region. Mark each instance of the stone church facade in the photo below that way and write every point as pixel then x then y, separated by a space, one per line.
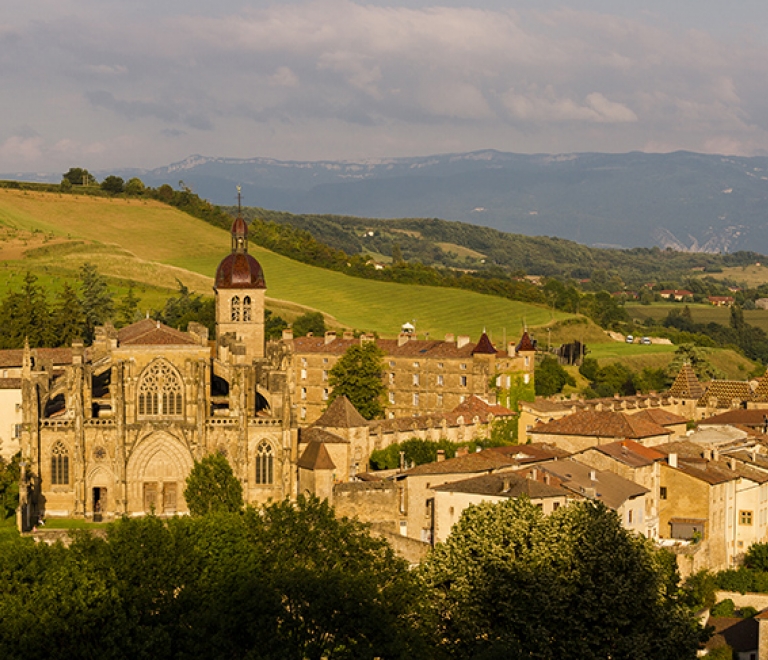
pixel 114 428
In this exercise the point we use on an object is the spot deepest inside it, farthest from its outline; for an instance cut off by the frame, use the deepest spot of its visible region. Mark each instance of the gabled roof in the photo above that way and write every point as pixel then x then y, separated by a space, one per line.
pixel 686 385
pixel 745 417
pixel 341 414
pixel 608 487
pixel 660 417
pixel 725 392
pixel 149 332
pixel 484 461
pixel 474 405
pixel 14 357
pixel 316 457
pixel 484 346
pixel 630 453
pixel 313 434
pixel 603 424
pixel 531 453
pixel 507 484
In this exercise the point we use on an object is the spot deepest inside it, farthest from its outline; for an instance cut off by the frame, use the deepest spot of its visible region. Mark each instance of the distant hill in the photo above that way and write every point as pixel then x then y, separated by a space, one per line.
pixel 683 200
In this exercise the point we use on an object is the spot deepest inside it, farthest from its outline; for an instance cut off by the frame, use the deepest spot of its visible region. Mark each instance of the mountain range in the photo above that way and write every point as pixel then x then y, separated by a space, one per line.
pixel 685 201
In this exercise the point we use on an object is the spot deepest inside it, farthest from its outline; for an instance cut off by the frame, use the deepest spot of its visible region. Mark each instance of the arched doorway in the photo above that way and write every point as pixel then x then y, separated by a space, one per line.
pixel 156 475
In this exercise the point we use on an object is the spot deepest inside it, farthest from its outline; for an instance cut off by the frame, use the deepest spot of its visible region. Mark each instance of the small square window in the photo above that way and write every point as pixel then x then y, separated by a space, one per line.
pixel 325 360
pixel 415 365
pixel 439 365
pixel 663 493
pixel 745 517
pixel 391 363
pixel 463 365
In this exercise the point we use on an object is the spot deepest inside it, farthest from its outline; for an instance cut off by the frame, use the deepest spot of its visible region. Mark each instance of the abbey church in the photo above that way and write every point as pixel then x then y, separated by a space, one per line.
pixel 115 428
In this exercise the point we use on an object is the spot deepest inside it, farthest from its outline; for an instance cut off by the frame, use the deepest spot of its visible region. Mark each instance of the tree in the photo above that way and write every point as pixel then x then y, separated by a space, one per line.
pixel 551 377
pixel 128 309
pixel 313 322
pixel 213 487
pixel 113 184
pixel 67 317
pixel 357 375
pixel 273 325
pixel 185 307
pixel 78 176
pixel 698 358
pixel 512 583
pixel 95 299
pixel 135 186
pixel 25 316
pixel 757 557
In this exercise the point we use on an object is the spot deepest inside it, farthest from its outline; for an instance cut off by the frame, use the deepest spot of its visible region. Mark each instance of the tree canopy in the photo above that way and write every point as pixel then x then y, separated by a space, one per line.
pixel 213 487
pixel 357 375
pixel 512 583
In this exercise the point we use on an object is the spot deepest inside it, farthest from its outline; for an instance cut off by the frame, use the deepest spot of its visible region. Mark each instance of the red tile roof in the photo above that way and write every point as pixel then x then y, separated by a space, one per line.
pixel 603 424
pixel 686 385
pixel 630 453
pixel 525 343
pixel 148 332
pixel 14 357
pixel 484 346
pixel 476 406
pixel 341 414
pixel 484 461
pixel 660 417
pixel 507 484
pixel 316 457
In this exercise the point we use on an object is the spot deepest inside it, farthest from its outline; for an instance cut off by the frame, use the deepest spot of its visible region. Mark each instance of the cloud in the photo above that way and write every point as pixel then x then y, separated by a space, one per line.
pixel 138 109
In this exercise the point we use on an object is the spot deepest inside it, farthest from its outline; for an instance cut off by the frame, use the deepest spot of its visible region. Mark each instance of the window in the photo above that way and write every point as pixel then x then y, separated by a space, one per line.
pixel 391 363
pixel 59 465
pixel 160 391
pixel 17 431
pixel 440 380
pixel 247 308
pixel 415 398
pixel 415 379
pixel 463 381
pixel 439 400
pixel 629 517
pixel 526 378
pixel 325 394
pixel 391 397
pixel 439 365
pixel 663 493
pixel 463 365
pixel 745 517
pixel 235 316
pixel 303 362
pixel 303 392
pixel 325 375
pixel 265 461
pixel 415 365
pixel 303 374
pixel 391 378
pixel 325 360
pixel 303 412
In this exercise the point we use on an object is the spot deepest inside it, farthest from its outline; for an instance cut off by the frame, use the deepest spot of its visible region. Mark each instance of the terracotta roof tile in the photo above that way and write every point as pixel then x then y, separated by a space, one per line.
pixel 484 461
pixel 316 457
pixel 750 417
pixel 686 385
pixel 630 453
pixel 411 348
pixel 507 484
pixel 341 414
pixel 525 343
pixel 660 417
pixel 148 332
pixel 604 424
pixel 725 392
pixel 14 357
pixel 761 391
pixel 484 346
pixel 474 405
pixel 313 434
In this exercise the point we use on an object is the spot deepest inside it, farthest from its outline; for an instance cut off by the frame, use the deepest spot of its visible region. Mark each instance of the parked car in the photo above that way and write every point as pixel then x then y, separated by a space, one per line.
pixel 630 339
pixel 645 340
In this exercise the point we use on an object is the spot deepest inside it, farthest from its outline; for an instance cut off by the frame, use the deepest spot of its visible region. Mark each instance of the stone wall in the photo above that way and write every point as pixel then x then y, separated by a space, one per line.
pixel 368 501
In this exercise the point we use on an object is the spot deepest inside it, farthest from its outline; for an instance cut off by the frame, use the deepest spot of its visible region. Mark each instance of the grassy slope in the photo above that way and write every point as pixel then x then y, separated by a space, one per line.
pixel 132 235
pixel 700 313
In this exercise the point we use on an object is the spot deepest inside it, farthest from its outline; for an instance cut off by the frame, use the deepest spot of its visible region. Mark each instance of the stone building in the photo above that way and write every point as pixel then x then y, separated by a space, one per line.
pixel 117 429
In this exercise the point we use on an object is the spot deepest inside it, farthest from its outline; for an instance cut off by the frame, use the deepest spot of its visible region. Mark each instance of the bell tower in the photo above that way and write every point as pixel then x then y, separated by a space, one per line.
pixel 239 291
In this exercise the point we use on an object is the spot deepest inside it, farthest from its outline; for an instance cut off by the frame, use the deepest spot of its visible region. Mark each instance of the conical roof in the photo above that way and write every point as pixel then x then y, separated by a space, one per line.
pixel 686 385
pixel 484 346
pixel 341 414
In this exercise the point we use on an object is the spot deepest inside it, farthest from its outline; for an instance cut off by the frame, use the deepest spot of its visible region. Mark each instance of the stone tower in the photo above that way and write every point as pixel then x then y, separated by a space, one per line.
pixel 239 290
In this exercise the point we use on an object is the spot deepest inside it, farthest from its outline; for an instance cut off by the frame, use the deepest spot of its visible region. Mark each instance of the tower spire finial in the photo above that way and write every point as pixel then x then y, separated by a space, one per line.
pixel 239 200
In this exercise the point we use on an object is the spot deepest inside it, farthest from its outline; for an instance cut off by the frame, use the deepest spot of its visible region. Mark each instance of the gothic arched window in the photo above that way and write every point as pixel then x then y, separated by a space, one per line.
pixel 236 308
pixel 247 308
pixel 264 463
pixel 59 465
pixel 160 391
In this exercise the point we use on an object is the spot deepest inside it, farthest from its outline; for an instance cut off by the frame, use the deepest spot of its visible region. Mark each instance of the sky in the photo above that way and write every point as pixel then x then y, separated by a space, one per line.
pixel 136 83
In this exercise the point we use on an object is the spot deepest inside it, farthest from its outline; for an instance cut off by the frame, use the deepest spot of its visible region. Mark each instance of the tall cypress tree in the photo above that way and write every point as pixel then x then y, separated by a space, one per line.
pixel 95 299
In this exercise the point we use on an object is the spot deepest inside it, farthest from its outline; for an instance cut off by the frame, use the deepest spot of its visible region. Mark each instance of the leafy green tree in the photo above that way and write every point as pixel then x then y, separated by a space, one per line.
pixel 77 176
pixel 652 379
pixel 135 186
pixel 10 473
pixel 357 375
pixel 699 590
pixel 698 358
pixel 512 583
pixel 113 185
pixel 724 608
pixel 273 325
pixel 67 317
pixel 213 487
pixel 757 557
pixel 313 322
pixel 96 300
pixel 185 307
pixel 551 378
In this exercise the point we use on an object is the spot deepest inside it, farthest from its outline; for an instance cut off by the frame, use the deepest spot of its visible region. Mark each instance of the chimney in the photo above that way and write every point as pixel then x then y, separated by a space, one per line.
pixel 505 485
pixel 672 460
pixel 511 349
pixel 366 338
pixel 462 451
pixel 440 455
pixel 708 454
pixel 402 338
pixel 732 463
pixel 593 475
pixel 534 474
pixel 450 338
pixel 715 454
pixel 402 461
pixel 348 334
pixel 287 334
pixel 462 340
pixel 330 336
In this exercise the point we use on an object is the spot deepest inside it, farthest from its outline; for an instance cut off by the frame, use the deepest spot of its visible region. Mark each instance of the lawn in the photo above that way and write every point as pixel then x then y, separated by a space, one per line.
pixel 153 244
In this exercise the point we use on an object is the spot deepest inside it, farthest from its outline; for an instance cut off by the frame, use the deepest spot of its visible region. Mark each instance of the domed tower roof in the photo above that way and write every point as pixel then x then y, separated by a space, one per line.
pixel 239 270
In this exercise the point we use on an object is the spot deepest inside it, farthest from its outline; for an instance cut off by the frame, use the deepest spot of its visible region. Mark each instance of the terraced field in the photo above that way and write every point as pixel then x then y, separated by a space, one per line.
pixel 153 245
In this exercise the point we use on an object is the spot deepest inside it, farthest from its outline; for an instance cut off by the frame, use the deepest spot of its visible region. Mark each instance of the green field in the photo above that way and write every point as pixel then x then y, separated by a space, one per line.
pixel 153 244
pixel 699 312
